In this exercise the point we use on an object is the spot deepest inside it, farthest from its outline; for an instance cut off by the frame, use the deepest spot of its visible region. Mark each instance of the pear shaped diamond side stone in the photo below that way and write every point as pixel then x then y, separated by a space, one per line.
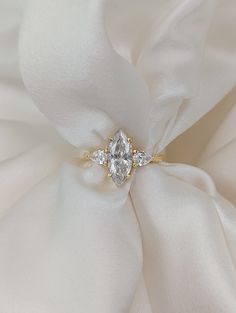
pixel 141 158
pixel 99 157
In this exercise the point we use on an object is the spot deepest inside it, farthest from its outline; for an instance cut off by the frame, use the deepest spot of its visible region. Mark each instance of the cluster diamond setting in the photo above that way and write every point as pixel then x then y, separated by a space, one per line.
pixel 120 158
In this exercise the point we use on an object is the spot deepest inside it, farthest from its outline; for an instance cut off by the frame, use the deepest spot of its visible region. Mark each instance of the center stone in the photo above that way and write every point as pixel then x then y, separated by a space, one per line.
pixel 120 157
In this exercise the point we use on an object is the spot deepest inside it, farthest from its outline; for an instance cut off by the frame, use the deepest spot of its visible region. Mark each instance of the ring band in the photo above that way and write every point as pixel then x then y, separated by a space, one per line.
pixel 120 157
pixel 158 158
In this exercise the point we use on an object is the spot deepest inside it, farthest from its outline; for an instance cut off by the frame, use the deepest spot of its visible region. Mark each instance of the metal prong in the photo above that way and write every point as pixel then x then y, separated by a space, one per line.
pixel 87 157
pixel 109 175
pixel 129 140
pixel 135 151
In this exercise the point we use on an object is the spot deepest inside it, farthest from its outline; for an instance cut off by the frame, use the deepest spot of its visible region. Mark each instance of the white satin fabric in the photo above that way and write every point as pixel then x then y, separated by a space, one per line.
pixel 70 240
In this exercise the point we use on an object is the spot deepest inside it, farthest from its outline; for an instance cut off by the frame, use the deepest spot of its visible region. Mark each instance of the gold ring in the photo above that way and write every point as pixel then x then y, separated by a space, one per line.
pixel 120 157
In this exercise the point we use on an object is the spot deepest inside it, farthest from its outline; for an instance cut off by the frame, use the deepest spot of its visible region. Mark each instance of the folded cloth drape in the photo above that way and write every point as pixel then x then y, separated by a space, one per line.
pixel 70 240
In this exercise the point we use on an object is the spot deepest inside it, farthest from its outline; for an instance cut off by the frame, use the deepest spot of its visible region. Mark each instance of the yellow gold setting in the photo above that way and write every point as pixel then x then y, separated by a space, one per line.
pixel 120 157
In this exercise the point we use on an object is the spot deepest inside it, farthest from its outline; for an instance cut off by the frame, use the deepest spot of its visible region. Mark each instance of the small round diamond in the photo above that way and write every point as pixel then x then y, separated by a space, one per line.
pixel 99 157
pixel 141 158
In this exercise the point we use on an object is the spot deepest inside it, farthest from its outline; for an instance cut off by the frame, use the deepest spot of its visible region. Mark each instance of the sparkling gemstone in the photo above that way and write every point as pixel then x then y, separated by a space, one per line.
pixel 99 157
pixel 120 157
pixel 141 158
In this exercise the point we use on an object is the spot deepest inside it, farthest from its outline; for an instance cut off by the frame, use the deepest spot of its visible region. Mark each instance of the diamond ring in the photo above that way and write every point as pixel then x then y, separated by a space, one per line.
pixel 120 158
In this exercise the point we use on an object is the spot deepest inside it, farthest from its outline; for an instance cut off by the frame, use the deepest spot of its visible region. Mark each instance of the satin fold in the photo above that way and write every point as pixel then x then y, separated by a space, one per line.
pixel 53 273
pixel 71 73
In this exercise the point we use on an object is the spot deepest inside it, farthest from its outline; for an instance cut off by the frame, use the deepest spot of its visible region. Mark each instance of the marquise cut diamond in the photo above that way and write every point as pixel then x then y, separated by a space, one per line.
pixel 120 157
